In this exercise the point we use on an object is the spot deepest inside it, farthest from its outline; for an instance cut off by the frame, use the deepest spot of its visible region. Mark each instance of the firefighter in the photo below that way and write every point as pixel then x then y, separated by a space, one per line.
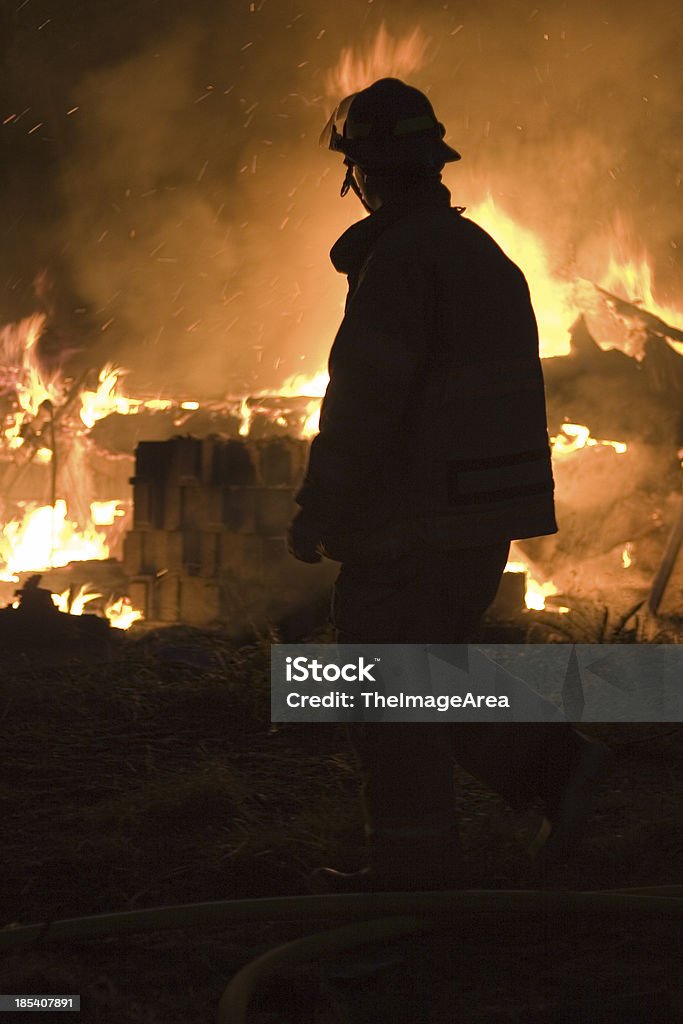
pixel 432 455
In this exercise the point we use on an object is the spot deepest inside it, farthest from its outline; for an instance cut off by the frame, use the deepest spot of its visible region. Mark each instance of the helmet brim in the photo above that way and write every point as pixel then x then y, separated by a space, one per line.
pixel 356 150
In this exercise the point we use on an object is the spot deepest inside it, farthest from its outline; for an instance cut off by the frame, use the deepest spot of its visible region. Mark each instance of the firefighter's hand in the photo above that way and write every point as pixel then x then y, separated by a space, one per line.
pixel 303 538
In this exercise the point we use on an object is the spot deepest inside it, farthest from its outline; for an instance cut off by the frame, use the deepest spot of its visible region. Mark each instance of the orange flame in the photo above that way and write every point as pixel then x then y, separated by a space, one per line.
pixel 552 298
pixel 574 437
pixel 32 386
pixel 121 613
pixel 387 57
pixel 44 539
pixel 536 592
pixel 75 605
pixel 313 387
pixel 107 399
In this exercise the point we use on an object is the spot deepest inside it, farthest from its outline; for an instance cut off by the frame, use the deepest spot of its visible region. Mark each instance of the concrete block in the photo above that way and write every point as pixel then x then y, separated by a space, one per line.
pixel 139 592
pixel 233 464
pixel 239 509
pixel 191 551
pixel 240 556
pixel 133 552
pixel 186 460
pixel 275 463
pixel 274 509
pixel 173 507
pixel 147 504
pixel 152 460
pixel 192 507
pixel 168 598
pixel 209 553
pixel 215 499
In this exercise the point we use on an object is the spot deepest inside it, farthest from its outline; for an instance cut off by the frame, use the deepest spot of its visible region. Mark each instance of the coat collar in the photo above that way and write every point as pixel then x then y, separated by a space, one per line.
pixel 350 250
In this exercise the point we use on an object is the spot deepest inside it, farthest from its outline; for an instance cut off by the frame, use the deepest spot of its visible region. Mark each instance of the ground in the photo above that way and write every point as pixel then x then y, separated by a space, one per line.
pixel 156 779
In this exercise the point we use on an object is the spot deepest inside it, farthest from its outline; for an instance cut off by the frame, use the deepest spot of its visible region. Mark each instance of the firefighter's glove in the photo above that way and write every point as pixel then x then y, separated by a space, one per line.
pixel 303 538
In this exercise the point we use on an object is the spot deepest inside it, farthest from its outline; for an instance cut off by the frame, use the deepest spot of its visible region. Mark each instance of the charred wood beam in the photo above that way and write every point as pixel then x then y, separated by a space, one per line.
pixel 653 324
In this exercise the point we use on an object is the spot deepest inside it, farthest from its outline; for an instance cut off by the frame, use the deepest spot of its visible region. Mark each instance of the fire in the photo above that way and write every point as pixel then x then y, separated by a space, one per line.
pixel 76 605
pixel 20 371
pixel 387 57
pixel 575 436
pixel 105 513
pixel 626 559
pixel 45 539
pixel 631 277
pixel 553 299
pixel 536 593
pixel 121 613
pixel 106 399
pixel 246 414
pixel 299 385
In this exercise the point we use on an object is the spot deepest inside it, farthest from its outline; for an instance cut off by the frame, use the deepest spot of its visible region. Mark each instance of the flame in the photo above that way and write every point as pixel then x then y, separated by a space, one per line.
pixel 106 399
pixel 626 559
pixel 105 513
pixel 45 539
pixel 552 298
pixel 301 386
pixel 246 415
pixel 121 613
pixel 574 436
pixel 630 275
pixel 76 605
pixel 20 368
pixel 386 57
pixel 536 592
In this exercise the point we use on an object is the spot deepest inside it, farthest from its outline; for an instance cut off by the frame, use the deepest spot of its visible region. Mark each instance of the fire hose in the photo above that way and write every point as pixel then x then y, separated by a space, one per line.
pixel 410 914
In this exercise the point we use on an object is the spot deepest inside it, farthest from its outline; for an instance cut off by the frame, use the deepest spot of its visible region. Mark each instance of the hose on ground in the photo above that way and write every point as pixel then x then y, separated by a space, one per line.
pixel 470 904
pixel 655 900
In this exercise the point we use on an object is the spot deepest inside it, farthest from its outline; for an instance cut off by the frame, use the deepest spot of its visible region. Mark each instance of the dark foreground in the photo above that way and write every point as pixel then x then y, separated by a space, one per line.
pixel 157 779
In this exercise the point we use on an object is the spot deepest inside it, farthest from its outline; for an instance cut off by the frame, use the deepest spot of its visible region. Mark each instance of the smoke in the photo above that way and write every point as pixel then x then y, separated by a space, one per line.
pixel 175 192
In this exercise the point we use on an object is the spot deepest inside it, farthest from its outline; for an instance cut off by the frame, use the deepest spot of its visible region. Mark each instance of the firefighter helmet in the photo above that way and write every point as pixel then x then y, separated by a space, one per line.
pixel 387 126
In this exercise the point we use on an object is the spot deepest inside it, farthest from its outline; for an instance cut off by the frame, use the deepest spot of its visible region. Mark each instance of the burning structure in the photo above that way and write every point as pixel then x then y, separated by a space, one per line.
pixel 156 275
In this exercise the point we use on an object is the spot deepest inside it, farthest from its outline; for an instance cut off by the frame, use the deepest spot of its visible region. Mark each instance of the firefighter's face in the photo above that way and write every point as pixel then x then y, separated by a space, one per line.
pixel 370 200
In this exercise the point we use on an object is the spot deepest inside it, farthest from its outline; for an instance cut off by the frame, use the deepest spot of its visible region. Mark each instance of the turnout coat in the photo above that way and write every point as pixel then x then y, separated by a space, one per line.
pixel 433 426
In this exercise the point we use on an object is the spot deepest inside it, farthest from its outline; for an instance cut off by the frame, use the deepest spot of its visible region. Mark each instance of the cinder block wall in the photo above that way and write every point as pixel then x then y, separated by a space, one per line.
pixel 208 540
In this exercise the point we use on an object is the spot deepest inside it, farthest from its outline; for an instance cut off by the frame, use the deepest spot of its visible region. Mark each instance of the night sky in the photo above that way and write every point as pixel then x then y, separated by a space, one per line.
pixel 165 201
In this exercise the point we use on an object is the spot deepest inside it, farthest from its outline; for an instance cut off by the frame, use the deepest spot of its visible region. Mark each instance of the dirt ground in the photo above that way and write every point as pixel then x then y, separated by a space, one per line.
pixel 156 779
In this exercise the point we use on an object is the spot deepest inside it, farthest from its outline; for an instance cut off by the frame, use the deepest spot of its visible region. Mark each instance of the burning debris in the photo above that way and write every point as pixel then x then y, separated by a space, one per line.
pixel 34 627
pixel 66 456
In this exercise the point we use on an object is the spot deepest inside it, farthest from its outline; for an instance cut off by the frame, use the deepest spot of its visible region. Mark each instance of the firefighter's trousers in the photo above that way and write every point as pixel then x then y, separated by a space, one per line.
pixel 438 597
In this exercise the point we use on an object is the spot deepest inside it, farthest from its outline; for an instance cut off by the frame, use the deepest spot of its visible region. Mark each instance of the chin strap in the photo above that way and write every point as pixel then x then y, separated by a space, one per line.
pixel 350 184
